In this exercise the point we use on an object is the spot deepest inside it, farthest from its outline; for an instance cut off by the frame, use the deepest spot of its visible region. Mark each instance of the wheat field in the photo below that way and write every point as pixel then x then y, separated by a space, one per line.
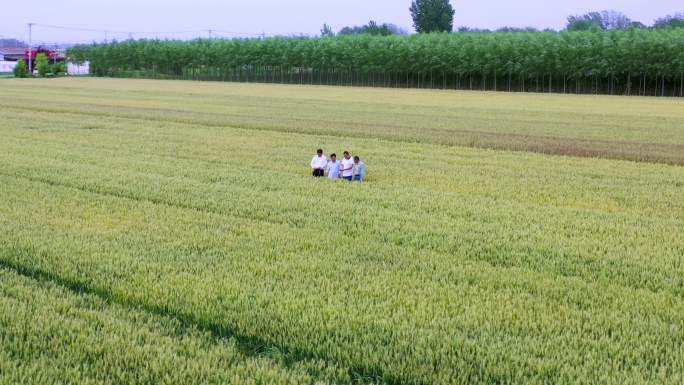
pixel 169 232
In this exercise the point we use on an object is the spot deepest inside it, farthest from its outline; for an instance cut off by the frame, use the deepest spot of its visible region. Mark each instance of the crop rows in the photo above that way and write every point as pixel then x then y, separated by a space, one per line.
pixel 629 62
pixel 450 265
pixel 623 128
pixel 53 335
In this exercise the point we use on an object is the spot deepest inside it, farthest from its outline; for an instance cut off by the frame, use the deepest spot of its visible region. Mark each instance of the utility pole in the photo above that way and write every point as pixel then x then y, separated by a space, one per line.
pixel 210 32
pixel 30 52
pixel 105 37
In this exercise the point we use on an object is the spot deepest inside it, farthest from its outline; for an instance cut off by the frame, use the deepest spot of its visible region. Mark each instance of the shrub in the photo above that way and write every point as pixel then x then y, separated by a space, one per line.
pixel 58 68
pixel 20 70
pixel 42 65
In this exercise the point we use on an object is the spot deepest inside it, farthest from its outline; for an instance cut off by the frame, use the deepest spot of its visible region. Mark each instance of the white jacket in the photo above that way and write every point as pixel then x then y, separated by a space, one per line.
pixel 319 162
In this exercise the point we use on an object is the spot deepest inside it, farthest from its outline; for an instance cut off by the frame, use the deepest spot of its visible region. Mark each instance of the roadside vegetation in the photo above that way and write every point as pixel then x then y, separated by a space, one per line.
pixel 42 66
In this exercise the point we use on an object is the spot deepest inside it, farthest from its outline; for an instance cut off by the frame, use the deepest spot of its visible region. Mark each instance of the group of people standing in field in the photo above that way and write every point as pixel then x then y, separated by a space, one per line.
pixel 349 168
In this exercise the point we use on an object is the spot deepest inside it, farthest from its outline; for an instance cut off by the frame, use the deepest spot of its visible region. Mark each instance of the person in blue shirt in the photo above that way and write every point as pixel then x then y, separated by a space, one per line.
pixel 358 169
pixel 333 167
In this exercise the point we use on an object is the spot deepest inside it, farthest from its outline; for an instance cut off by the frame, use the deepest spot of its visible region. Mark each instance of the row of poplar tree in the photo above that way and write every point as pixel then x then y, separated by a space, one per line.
pixel 630 62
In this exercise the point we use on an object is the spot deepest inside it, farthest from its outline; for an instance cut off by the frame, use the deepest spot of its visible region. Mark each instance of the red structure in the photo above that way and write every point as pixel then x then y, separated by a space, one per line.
pixel 52 55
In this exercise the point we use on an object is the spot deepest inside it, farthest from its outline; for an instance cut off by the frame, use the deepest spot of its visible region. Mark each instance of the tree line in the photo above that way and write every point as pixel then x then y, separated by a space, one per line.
pixel 610 19
pixel 442 21
pixel 630 62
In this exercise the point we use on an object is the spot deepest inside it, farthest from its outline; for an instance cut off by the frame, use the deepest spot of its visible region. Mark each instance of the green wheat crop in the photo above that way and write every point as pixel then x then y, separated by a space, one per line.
pixel 124 219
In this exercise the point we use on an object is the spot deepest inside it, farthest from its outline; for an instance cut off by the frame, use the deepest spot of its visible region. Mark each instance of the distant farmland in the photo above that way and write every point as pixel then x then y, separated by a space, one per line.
pixel 169 232
pixel 640 129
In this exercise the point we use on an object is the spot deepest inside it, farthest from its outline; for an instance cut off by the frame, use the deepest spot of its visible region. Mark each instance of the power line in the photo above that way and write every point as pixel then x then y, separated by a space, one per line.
pixel 70 28
pixel 106 32
pixel 108 35
pixel 62 42
pixel 115 31
pixel 237 33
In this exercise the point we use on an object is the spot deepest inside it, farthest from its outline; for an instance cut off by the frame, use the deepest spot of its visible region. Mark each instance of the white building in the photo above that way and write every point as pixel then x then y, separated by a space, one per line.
pixel 78 69
pixel 7 66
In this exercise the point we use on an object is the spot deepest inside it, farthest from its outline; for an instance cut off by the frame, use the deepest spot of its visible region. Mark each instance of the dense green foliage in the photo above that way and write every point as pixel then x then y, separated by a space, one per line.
pixel 20 70
pixel 432 16
pixel 632 62
pixel 58 68
pixel 187 223
pixel 372 28
pixel 603 20
pixel 42 65
pixel 670 21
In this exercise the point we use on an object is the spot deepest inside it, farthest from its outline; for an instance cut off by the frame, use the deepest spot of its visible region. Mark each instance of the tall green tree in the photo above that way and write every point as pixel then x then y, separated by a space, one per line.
pixel 432 16
pixel 615 20
pixel 604 20
pixel 327 31
pixel 629 61
pixel 373 28
pixel 670 21
pixel 591 20
pixel 42 64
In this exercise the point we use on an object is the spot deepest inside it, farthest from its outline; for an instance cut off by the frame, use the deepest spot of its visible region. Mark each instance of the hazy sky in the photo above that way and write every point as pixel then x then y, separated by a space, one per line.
pixel 284 17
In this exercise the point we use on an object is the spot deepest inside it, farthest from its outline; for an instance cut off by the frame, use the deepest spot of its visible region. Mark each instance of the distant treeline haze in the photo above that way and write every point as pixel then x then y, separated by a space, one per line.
pixel 630 62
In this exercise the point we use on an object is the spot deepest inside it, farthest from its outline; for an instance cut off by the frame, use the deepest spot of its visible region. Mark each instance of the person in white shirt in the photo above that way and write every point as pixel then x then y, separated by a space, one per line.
pixel 318 164
pixel 347 166
pixel 333 167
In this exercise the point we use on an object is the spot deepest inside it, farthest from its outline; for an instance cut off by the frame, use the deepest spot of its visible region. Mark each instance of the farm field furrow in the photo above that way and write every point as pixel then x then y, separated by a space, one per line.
pixel 449 265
